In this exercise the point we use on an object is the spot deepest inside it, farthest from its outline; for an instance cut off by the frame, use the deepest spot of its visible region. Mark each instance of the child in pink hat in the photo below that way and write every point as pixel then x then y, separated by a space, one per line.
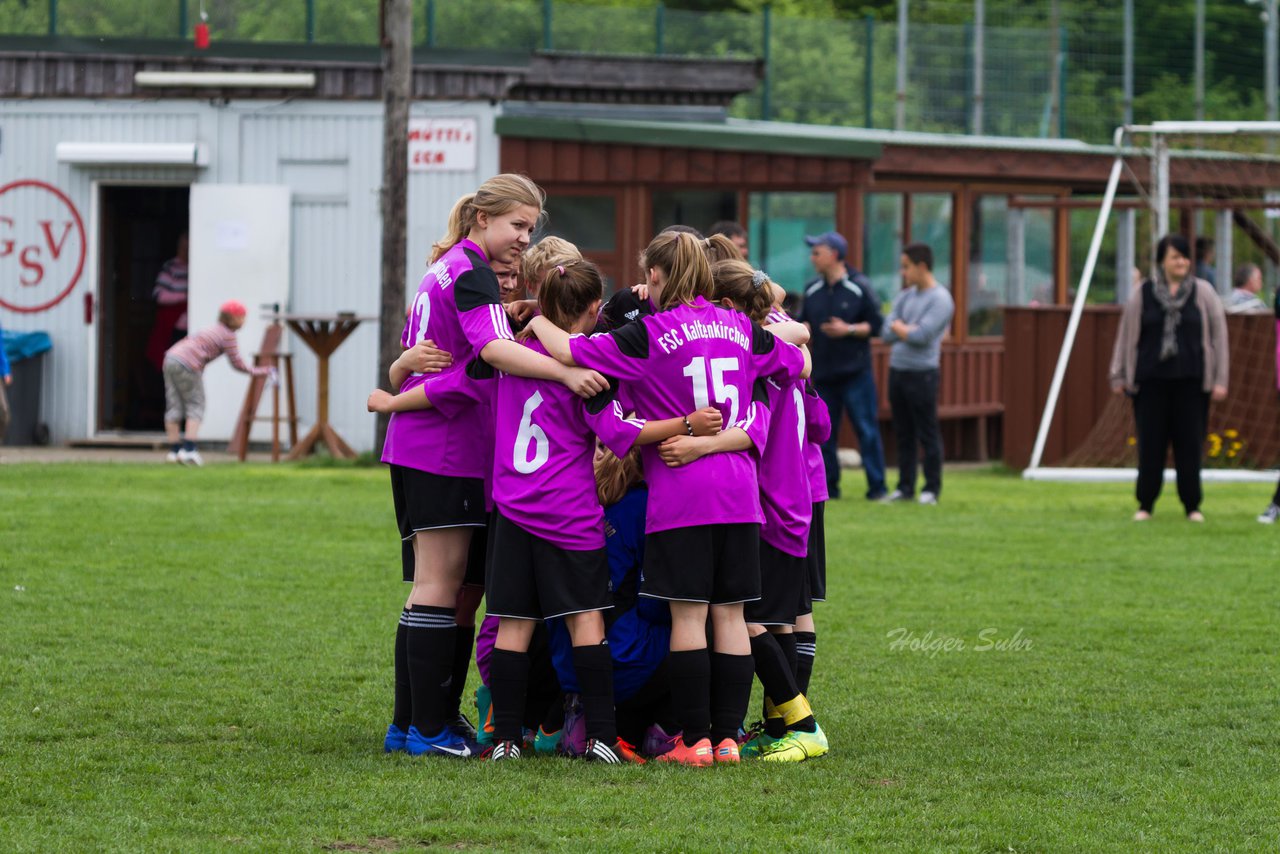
pixel 184 365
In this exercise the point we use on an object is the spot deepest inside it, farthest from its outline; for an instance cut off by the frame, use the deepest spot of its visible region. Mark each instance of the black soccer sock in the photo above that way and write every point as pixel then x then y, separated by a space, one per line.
pixel 402 712
pixel 429 649
pixel 463 641
pixel 778 681
pixel 806 649
pixel 188 445
pixel 594 667
pixel 508 682
pixel 787 641
pixel 175 447
pixel 730 694
pixel 690 674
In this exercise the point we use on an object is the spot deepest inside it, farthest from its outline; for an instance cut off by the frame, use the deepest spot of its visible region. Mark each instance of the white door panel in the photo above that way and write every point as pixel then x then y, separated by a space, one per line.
pixel 239 239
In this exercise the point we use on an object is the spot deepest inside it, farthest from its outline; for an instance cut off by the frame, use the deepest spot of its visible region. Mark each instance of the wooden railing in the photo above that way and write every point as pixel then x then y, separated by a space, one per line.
pixel 970 401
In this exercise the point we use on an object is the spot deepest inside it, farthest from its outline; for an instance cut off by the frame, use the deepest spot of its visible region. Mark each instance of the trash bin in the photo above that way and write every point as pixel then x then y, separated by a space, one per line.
pixel 25 351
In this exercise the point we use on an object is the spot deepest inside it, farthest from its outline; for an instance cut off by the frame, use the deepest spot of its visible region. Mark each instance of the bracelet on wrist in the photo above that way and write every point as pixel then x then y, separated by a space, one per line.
pixel 687 426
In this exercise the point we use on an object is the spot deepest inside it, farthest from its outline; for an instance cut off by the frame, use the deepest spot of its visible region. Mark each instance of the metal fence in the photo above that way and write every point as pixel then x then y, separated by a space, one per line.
pixel 1048 68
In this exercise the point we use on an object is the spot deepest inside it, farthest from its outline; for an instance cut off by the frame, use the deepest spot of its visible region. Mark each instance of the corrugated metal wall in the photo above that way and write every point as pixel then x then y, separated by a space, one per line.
pixel 329 154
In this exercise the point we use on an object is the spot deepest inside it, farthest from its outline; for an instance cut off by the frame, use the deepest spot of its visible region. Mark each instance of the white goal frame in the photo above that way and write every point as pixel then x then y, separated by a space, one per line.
pixel 1158 132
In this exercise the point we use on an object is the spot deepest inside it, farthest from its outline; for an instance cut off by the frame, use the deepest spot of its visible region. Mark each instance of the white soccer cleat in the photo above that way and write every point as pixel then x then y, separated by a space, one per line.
pixel 191 458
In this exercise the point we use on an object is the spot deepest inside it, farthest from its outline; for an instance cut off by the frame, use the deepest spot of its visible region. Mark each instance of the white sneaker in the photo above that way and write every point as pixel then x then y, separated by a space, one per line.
pixel 1270 515
pixel 894 497
pixel 171 457
pixel 191 458
pixel 928 498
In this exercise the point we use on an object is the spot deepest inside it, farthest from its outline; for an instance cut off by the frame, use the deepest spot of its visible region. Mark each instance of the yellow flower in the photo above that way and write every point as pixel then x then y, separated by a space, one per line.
pixel 1230 434
pixel 1214 437
pixel 1231 453
pixel 1132 441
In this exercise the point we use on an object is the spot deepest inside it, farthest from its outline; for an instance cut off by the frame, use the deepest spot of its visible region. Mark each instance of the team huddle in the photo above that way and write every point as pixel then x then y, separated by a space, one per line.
pixel 635 488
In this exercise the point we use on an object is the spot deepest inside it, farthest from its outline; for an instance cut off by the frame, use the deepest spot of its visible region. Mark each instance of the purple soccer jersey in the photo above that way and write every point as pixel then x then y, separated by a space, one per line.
pixel 818 427
pixel 543 476
pixel 458 306
pixel 679 360
pixel 784 482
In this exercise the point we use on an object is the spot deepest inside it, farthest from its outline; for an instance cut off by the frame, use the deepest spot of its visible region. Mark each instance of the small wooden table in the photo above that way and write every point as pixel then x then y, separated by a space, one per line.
pixel 322 333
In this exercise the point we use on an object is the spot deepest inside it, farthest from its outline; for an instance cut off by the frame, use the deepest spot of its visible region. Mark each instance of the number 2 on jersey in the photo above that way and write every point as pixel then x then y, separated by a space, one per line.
pixel 531 434
pixel 419 315
pixel 697 371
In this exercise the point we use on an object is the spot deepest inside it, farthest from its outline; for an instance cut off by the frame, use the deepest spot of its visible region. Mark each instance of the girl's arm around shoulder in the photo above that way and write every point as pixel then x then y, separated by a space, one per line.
pixel 683 450
pixel 791 331
pixel 513 358
pixel 555 339
pixel 384 401
pixel 606 418
pixel 777 358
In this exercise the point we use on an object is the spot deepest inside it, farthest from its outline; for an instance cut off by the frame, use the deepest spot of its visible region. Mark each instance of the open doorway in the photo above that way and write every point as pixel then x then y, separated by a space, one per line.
pixel 140 229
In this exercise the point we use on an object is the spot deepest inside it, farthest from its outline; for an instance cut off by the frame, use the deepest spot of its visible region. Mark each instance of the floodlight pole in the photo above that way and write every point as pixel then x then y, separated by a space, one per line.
pixel 1128 62
pixel 900 114
pixel 1077 309
pixel 1273 27
pixel 1199 60
pixel 979 50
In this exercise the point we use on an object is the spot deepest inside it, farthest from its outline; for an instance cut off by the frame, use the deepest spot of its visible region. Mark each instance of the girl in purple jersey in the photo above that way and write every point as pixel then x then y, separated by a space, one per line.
pixel 791 734
pixel 703 518
pixel 439 460
pixel 818 427
pixel 547 553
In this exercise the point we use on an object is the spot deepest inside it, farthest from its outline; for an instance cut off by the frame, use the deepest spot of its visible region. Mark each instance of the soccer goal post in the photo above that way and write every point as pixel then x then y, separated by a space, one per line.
pixel 1214 181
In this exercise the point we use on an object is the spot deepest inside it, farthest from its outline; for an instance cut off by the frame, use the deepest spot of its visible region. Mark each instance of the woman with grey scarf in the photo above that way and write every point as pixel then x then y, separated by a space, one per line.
pixel 1171 359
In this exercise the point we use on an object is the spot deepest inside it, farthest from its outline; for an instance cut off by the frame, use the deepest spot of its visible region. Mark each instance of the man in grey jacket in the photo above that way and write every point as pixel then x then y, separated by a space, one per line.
pixel 915 327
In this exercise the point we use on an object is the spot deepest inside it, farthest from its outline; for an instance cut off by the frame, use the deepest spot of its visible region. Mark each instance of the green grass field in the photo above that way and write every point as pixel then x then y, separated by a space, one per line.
pixel 201 660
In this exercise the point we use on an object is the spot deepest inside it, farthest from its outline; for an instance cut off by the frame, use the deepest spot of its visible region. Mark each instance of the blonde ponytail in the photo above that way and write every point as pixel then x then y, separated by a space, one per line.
pixel 461 219
pixel 682 259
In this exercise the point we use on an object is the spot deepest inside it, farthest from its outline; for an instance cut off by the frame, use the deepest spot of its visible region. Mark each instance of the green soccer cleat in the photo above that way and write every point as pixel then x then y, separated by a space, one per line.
pixel 545 743
pixel 755 746
pixel 797 747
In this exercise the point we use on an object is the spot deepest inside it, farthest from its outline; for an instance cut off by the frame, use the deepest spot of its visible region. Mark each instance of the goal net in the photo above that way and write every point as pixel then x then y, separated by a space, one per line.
pixel 1218 184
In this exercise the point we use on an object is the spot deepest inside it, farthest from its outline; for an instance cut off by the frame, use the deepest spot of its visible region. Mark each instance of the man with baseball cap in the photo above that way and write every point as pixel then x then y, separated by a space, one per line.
pixel 842 310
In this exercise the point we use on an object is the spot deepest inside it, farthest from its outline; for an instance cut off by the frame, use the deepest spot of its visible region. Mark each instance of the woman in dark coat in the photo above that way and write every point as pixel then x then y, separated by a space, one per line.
pixel 1171 358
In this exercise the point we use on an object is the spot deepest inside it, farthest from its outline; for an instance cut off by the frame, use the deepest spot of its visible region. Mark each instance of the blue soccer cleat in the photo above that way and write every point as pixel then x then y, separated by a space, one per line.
pixel 444 743
pixel 395 739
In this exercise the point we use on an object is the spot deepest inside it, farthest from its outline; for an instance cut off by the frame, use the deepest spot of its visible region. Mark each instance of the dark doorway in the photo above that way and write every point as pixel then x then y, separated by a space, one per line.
pixel 139 232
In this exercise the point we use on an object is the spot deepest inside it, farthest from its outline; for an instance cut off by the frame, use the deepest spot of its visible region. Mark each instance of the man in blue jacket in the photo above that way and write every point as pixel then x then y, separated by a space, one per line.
pixel 842 310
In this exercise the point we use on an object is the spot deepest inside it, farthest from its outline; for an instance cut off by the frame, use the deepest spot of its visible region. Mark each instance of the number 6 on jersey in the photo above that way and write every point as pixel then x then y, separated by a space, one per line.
pixel 531 433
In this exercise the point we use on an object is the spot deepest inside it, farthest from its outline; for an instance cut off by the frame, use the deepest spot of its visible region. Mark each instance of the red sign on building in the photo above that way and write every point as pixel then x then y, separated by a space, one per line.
pixel 42 246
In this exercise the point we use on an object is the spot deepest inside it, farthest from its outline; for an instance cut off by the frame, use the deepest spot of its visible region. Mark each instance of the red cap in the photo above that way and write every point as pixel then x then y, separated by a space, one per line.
pixel 233 307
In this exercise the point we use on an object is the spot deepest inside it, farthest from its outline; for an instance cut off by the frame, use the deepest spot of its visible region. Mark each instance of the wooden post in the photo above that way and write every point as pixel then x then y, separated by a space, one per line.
pixel 397 59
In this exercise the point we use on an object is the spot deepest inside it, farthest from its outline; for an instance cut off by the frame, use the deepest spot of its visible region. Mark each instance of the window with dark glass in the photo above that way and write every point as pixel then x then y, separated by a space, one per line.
pixel 779 223
pixel 588 222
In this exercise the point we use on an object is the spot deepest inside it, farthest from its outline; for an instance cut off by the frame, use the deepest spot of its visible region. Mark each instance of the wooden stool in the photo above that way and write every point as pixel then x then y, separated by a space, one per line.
pixel 271 358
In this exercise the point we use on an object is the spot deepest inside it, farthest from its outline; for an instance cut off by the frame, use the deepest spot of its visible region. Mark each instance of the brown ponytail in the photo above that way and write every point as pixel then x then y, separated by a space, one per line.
pixel 614 477
pixel 569 290
pixel 682 259
pixel 500 194
pixel 750 290
pixel 720 248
